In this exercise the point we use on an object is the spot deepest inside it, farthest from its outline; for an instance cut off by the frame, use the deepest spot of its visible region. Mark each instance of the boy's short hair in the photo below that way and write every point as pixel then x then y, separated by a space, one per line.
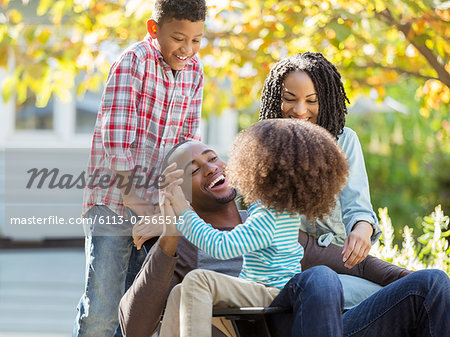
pixel 290 165
pixel 192 10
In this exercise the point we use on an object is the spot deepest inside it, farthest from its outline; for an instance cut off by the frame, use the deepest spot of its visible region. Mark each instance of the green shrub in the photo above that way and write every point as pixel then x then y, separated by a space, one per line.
pixel 429 250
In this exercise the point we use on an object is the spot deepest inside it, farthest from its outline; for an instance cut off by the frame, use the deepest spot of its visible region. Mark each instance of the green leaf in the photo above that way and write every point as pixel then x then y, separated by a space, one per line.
pixel 342 31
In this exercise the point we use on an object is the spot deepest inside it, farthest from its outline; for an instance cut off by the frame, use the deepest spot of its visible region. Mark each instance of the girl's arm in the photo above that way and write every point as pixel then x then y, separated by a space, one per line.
pixel 254 234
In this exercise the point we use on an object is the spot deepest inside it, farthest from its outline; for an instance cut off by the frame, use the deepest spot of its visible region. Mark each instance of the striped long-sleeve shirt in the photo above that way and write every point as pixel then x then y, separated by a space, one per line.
pixel 268 242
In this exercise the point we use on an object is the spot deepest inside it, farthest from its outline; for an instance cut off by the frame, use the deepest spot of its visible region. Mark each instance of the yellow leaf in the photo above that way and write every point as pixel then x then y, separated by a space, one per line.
pixel 8 88
pixel 379 5
pixel 4 3
pixel 43 96
pixel 381 91
pixel 21 91
pixel 429 43
pixel 43 7
pixel 15 16
pixel 44 36
pixel 279 27
pixel 424 112
pixel 58 12
pixel 413 167
pixel 3 32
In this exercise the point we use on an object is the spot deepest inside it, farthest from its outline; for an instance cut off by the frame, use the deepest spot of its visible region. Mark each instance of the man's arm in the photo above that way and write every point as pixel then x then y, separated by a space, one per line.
pixel 141 307
pixel 371 268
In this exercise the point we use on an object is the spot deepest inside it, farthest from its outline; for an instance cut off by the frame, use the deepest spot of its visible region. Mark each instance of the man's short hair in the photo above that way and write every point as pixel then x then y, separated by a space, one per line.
pixel 166 10
pixel 166 161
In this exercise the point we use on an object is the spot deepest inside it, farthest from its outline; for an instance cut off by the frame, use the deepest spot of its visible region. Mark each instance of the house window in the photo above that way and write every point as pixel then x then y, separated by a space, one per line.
pixel 86 112
pixel 30 117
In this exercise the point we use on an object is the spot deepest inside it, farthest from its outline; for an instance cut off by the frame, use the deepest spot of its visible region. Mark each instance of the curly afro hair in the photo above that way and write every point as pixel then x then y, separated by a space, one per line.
pixel 192 10
pixel 290 165
pixel 327 82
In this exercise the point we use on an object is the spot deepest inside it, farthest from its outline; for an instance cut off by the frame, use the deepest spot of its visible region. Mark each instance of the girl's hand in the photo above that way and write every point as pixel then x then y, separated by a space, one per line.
pixel 169 176
pixel 171 191
pixel 357 244
pixel 177 199
pixel 170 228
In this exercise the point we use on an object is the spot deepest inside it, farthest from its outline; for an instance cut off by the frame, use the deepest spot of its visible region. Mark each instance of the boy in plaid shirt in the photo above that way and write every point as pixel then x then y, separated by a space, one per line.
pixel 152 101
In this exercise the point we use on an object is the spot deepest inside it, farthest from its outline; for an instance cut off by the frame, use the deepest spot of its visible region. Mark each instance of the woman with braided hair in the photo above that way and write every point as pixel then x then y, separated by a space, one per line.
pixel 307 86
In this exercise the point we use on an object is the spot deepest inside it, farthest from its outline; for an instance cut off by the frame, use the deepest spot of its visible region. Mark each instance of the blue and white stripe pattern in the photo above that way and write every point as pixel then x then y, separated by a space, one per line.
pixel 267 240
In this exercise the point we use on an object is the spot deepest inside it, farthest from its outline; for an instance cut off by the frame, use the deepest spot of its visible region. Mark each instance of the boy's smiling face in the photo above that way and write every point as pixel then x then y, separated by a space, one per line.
pixel 177 40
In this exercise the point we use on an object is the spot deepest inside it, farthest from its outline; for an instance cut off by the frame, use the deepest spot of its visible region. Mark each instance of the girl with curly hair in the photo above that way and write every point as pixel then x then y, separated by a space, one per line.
pixel 280 182
pixel 307 86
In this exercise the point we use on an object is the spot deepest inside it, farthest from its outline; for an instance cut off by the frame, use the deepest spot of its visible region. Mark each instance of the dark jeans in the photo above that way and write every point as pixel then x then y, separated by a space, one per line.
pixel 416 305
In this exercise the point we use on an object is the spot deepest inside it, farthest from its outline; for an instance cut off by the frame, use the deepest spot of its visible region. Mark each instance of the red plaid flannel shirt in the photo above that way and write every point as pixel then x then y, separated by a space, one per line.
pixel 145 110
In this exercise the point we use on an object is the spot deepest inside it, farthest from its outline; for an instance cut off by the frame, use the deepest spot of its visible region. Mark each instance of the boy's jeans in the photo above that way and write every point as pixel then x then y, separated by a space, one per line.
pixel 416 305
pixel 111 265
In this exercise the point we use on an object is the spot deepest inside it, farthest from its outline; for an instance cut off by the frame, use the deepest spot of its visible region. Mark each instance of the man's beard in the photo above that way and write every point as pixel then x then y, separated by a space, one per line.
pixel 228 198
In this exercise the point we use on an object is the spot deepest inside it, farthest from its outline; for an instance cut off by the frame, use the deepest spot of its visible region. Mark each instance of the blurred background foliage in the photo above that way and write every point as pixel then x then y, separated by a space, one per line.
pixel 386 49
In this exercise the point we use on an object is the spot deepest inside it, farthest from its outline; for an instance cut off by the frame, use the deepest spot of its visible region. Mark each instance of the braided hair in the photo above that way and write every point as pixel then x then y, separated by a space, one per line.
pixel 327 83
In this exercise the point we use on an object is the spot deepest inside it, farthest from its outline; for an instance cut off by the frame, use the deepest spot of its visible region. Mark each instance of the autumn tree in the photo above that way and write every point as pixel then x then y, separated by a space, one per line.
pixel 372 42
pixel 48 46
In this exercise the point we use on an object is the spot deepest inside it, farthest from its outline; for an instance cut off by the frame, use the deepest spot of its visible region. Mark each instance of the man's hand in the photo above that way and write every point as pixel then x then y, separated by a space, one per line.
pixel 357 244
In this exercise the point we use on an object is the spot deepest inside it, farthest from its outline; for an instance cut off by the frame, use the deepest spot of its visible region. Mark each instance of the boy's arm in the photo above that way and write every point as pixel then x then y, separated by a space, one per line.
pixel 371 268
pixel 120 120
pixel 191 125
pixel 119 112
pixel 141 307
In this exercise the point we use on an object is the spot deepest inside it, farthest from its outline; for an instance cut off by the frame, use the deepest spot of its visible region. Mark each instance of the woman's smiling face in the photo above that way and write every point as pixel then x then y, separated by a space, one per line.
pixel 299 98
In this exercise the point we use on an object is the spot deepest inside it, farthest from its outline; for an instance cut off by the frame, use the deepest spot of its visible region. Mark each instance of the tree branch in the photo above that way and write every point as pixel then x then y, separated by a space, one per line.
pixel 443 76
pixel 397 69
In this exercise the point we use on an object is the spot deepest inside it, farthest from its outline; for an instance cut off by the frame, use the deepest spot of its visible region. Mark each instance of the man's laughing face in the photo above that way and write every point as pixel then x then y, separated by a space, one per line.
pixel 205 183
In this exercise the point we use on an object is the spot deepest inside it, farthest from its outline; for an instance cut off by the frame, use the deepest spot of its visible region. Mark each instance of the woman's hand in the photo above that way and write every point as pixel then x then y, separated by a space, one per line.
pixel 357 244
